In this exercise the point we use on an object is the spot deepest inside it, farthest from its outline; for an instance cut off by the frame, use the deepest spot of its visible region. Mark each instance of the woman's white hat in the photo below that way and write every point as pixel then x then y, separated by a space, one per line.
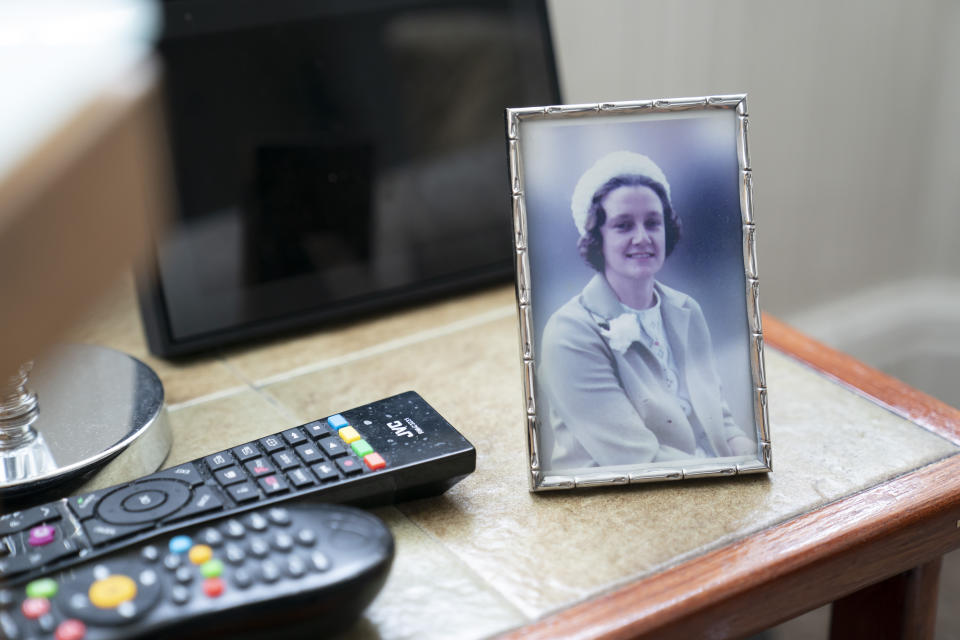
pixel 618 163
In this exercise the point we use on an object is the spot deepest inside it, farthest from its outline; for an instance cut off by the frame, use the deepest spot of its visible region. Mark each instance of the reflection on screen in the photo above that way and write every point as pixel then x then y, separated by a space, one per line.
pixel 328 153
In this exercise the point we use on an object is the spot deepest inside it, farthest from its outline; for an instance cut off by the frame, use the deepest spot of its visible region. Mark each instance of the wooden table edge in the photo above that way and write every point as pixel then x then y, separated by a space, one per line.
pixel 810 560
pixel 885 390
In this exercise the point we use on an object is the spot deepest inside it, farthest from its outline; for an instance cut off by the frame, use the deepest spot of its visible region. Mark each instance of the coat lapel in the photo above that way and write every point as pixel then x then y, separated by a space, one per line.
pixel 603 304
pixel 638 364
pixel 600 300
pixel 676 321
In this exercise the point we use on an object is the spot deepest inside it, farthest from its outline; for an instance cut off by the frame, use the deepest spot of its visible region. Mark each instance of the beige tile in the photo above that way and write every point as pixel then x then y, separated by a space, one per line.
pixel 431 594
pixel 562 547
pixel 195 431
pixel 210 426
pixel 259 361
pixel 114 322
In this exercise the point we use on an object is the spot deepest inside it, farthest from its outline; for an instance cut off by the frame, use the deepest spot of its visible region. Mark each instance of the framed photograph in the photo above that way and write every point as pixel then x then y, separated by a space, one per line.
pixel 637 292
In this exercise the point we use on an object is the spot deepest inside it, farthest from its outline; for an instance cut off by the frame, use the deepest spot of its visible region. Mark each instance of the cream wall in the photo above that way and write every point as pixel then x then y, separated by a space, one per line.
pixel 855 146
pixel 853 129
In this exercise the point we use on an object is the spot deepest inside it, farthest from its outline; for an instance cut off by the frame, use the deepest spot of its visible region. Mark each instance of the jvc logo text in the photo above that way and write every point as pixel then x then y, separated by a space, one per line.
pixel 399 428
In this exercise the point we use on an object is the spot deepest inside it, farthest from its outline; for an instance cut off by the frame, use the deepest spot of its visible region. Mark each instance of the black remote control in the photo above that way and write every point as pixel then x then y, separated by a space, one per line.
pixel 257 573
pixel 394 449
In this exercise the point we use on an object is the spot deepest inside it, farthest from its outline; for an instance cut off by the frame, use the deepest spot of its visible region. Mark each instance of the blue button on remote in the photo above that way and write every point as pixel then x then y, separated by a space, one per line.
pixel 180 544
pixel 337 422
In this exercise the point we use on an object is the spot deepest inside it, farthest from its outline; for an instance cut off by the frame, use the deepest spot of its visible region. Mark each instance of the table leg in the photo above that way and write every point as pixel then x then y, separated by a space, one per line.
pixel 903 607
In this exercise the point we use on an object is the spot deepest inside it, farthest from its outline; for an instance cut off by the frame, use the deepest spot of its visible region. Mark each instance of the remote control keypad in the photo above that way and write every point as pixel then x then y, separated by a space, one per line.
pixel 267 467
pixel 189 572
pixel 401 436
pixel 294 459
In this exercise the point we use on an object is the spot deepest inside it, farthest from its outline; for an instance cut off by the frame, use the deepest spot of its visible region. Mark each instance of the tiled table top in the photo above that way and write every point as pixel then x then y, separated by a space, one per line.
pixel 488 556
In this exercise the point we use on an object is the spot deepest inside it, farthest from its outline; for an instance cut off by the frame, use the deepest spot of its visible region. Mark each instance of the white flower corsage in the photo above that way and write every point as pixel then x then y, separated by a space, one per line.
pixel 624 331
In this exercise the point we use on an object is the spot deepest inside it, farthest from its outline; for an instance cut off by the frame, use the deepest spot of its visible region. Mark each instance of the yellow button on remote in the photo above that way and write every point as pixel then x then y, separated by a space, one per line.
pixel 349 434
pixel 200 553
pixel 112 591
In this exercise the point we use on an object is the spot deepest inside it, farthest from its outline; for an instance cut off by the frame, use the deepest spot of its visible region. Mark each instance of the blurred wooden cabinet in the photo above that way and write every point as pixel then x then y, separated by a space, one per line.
pixel 82 175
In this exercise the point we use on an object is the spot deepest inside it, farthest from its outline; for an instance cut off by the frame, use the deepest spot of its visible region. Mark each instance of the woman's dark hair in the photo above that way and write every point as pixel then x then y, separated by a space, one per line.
pixel 591 242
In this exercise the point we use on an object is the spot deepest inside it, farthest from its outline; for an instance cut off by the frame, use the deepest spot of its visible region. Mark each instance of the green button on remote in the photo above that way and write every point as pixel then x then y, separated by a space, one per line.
pixel 361 448
pixel 43 588
pixel 211 568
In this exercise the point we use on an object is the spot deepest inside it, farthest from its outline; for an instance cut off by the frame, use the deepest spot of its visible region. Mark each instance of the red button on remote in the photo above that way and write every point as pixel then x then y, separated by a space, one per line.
pixel 33 608
pixel 213 587
pixel 374 461
pixel 71 629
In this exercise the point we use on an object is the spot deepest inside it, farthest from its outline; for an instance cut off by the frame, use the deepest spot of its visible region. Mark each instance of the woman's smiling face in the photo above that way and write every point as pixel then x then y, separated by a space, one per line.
pixel 634 236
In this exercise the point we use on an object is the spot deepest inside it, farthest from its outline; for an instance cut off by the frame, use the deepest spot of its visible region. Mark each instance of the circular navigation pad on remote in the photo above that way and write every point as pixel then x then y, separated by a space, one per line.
pixel 143 502
pixel 111 593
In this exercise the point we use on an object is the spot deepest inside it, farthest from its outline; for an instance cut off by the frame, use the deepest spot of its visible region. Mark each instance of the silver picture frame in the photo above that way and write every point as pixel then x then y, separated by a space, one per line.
pixel 537 138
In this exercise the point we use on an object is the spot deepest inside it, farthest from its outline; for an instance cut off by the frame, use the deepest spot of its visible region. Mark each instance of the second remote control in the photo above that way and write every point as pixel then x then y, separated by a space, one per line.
pixel 262 574
pixel 394 449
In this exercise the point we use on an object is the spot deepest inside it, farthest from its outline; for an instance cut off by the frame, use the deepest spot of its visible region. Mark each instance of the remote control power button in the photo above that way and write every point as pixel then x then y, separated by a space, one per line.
pixel 112 591
pixel 144 500
pixel 70 629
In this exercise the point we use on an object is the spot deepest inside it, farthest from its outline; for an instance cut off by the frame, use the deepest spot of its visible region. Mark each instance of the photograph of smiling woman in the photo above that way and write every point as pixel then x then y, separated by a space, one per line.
pixel 638 304
pixel 628 346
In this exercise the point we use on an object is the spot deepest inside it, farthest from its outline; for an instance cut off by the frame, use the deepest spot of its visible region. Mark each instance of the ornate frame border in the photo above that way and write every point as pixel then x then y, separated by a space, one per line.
pixel 539 480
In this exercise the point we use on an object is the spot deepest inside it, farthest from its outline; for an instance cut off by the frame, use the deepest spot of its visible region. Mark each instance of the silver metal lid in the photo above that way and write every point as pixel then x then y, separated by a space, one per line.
pixel 80 407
